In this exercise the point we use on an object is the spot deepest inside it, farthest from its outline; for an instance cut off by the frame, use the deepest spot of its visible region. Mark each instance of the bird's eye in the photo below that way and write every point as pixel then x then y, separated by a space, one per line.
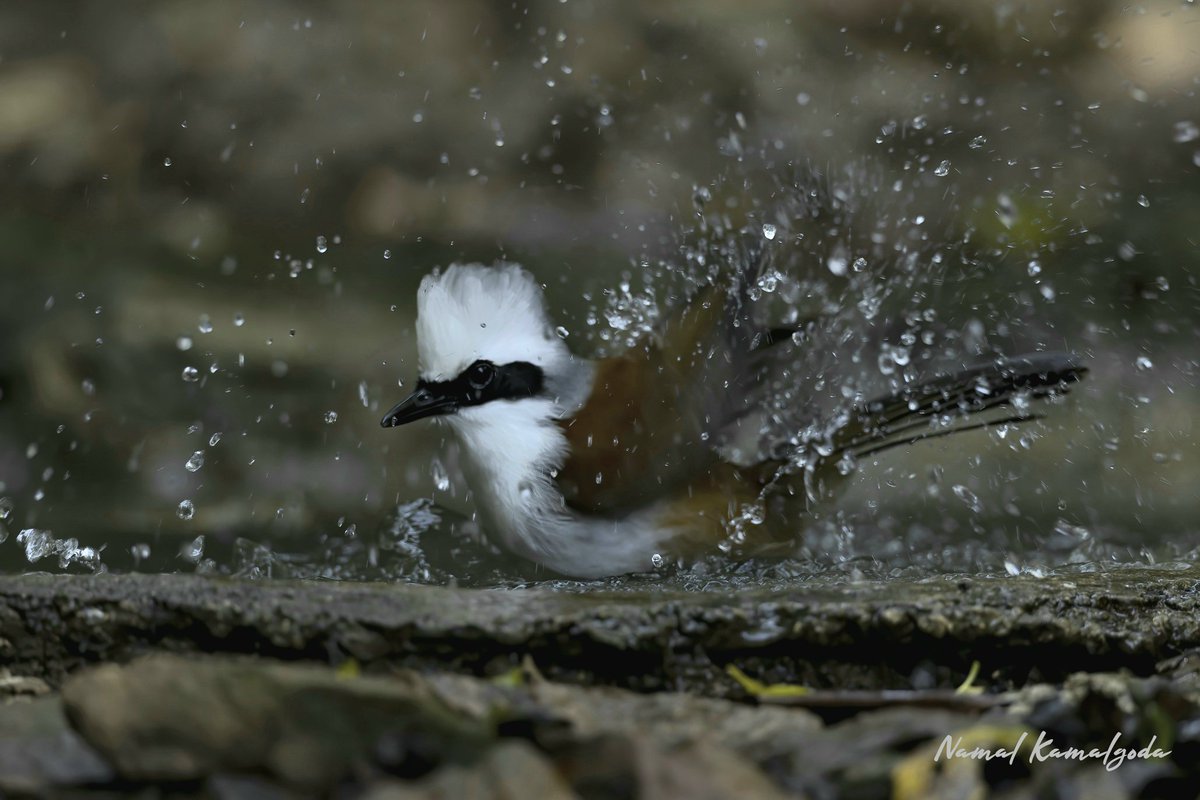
pixel 480 374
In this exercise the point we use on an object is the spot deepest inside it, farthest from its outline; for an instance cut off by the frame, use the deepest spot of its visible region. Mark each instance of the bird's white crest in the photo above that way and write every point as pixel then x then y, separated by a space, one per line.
pixel 472 311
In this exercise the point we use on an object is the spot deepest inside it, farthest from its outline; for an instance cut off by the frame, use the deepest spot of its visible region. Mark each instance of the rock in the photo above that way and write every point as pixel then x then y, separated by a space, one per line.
pixel 1022 628
pixel 639 766
pixel 248 787
pixel 39 753
pixel 165 719
pixel 21 685
pixel 510 771
pixel 170 719
pixel 863 750
pixel 250 727
pixel 669 718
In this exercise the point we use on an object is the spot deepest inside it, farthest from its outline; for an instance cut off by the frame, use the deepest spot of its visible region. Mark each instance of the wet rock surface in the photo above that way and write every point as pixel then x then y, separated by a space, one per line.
pixel 214 688
pixel 1019 628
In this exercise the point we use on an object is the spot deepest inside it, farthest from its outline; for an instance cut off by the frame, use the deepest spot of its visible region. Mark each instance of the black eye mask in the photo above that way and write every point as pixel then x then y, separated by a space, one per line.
pixel 480 383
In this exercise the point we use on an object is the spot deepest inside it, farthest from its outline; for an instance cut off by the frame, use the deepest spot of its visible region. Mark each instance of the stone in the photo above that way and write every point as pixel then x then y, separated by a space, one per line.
pixel 165 718
pixel 40 754
pixel 509 771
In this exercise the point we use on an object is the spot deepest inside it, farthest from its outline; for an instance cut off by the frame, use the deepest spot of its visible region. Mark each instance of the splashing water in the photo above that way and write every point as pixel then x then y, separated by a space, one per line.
pixel 41 543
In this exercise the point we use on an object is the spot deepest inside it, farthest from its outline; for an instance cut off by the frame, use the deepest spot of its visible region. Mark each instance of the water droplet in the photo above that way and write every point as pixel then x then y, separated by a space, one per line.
pixel 977 142
pixel 6 507
pixel 837 264
pixel 1048 292
pixel 195 462
pixel 1186 131
pixel 191 374
pixel 1021 402
pixel 205 325
pixel 239 319
pixel 186 510
pixel 1144 363
pixel 441 480
pixel 942 169
pixel 89 387
pixel 1006 211
pixel 846 464
pixel 616 321
pixel 167 162
pixel 1143 201
pixel 214 439
pixel 330 417
pixel 1035 267
pixel 38 543
pixel 892 357
pixel 140 552
pixel 184 343
pixel 362 394
pixel 192 551
pixel 387 254
pixel 768 231
pixel 562 332
pixel 768 283
pixel 657 560
pixel 967 496
pixel 322 244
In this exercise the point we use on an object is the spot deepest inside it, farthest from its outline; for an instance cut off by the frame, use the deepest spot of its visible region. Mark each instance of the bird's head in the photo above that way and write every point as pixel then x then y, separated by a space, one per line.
pixel 482 337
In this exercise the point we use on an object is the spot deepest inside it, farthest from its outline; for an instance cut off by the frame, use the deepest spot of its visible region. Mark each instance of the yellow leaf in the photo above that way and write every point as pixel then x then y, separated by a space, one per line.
pixel 510 678
pixel 967 686
pixel 760 689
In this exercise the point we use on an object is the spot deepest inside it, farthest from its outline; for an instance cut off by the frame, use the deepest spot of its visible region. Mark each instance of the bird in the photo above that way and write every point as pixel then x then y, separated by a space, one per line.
pixel 595 467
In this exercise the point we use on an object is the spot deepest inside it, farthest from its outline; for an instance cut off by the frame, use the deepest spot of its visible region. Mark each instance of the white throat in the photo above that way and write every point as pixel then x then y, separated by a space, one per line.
pixel 512 452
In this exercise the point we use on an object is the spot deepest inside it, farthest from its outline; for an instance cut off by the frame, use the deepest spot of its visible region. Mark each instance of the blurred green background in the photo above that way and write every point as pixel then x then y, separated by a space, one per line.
pixel 215 216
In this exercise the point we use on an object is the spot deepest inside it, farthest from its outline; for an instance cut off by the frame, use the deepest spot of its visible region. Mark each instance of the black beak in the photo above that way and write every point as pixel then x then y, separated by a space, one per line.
pixel 422 403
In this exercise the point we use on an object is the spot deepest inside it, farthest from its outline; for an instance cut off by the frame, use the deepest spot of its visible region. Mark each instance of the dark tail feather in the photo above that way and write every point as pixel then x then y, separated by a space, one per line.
pixel 905 417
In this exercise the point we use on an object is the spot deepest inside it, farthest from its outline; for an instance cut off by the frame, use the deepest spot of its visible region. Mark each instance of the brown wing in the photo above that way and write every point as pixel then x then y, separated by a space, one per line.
pixel 653 416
